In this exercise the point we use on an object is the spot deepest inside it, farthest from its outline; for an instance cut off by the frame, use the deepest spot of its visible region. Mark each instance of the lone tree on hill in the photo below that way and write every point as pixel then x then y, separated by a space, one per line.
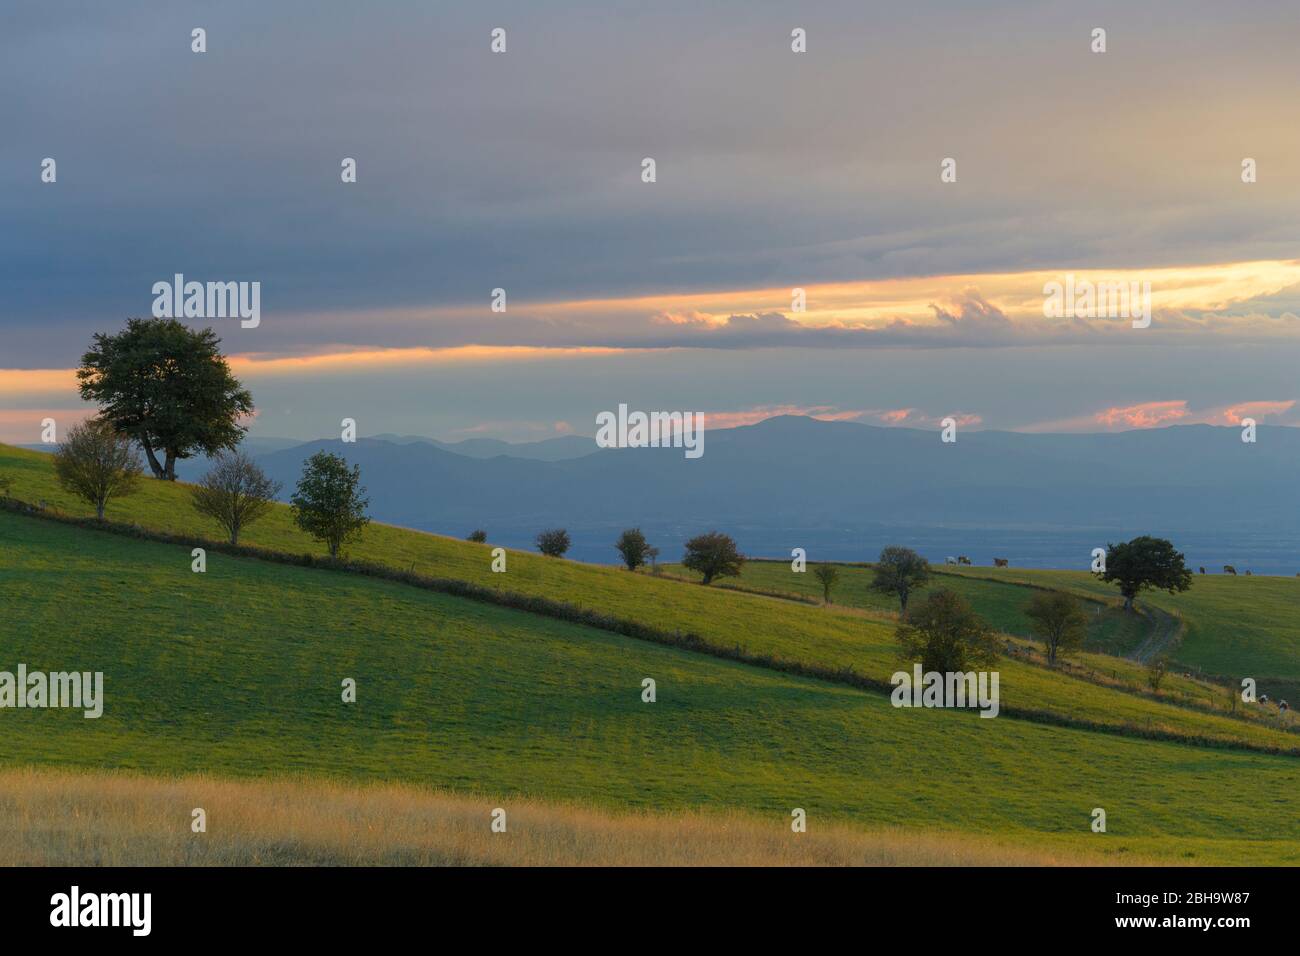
pixel 900 571
pixel 631 544
pixel 234 493
pixel 553 542
pixel 478 536
pixel 1142 563
pixel 945 635
pixel 827 574
pixel 713 555
pixel 166 386
pixel 1057 618
pixel 96 463
pixel 327 503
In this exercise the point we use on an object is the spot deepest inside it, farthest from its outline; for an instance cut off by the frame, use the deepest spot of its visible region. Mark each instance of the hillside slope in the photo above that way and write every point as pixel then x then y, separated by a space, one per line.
pixel 726 619
pixel 237 672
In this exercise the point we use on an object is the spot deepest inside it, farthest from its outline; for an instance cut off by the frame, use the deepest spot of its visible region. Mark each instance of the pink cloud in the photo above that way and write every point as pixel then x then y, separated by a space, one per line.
pixel 1233 414
pixel 752 416
pixel 915 418
pixel 1144 414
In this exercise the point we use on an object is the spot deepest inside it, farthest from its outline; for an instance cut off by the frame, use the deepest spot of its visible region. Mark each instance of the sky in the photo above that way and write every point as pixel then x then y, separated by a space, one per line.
pixel 775 171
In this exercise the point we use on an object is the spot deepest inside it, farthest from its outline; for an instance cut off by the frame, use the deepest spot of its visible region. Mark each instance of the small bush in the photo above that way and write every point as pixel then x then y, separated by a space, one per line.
pixel 631 544
pixel 478 536
pixel 553 542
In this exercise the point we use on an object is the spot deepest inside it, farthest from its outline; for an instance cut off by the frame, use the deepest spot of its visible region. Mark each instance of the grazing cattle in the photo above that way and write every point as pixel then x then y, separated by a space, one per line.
pixel 1202 569
pixel 1248 572
pixel 962 559
pixel 1229 569
pixel 999 562
pixel 1283 706
pixel 949 560
pixel 1263 698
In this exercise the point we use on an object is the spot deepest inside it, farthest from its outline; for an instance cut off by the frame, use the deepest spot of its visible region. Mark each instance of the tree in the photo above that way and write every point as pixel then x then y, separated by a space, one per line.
pixel 1057 618
pixel 1142 563
pixel 327 503
pixel 827 574
pixel 234 493
pixel 713 555
pixel 1156 668
pixel 166 386
pixel 945 635
pixel 553 542
pixel 631 544
pixel 478 536
pixel 900 571
pixel 653 555
pixel 96 463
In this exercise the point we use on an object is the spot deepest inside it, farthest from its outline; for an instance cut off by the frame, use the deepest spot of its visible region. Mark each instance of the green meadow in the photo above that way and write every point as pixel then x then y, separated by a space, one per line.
pixel 238 672
pixel 1228 627
pixel 836 638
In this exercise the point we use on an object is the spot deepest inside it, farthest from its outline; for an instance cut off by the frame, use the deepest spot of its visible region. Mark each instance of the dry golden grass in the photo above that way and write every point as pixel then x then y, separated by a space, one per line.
pixel 61 818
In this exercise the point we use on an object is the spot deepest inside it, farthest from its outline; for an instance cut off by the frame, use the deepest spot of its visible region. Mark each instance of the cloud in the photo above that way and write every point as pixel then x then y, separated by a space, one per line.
pixel 1143 415
pixel 758 413
pixel 1256 410
pixel 1158 414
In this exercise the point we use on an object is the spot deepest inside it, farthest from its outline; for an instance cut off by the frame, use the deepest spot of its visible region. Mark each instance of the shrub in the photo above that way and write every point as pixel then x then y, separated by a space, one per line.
pixel 900 571
pixel 1156 669
pixel 98 464
pixel 631 544
pixel 234 493
pixel 945 635
pixel 1058 620
pixel 713 555
pixel 553 542
pixel 327 503
pixel 827 574
pixel 478 535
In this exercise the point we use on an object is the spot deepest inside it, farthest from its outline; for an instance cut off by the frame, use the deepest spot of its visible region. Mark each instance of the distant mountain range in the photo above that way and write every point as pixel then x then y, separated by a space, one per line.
pixel 548 449
pixel 842 489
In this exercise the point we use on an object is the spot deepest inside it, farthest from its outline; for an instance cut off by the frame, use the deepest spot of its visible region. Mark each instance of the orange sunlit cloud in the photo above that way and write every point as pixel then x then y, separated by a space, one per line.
pixel 1162 413
pixel 1233 414
pixel 1143 415
pixel 752 416
pixel 1018 294
pixel 254 364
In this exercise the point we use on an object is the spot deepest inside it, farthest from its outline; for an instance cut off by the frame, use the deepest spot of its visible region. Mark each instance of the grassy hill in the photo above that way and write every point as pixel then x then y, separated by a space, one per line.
pixel 1236 626
pixel 1229 627
pixel 834 640
pixel 237 673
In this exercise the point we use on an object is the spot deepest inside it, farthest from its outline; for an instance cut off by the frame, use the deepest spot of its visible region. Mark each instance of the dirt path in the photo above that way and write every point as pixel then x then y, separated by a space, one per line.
pixel 1166 633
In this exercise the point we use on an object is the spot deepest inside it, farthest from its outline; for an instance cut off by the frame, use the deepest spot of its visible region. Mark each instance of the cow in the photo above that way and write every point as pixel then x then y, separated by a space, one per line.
pixel 999 562
pixel 1229 569
pixel 1248 572
pixel 1283 706
pixel 949 560
pixel 1202 569
pixel 962 559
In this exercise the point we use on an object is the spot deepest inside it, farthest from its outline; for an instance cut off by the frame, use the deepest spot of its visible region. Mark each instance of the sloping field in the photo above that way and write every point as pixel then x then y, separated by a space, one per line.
pixel 1230 626
pixel 237 672
pixel 724 618
pixel 1235 626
